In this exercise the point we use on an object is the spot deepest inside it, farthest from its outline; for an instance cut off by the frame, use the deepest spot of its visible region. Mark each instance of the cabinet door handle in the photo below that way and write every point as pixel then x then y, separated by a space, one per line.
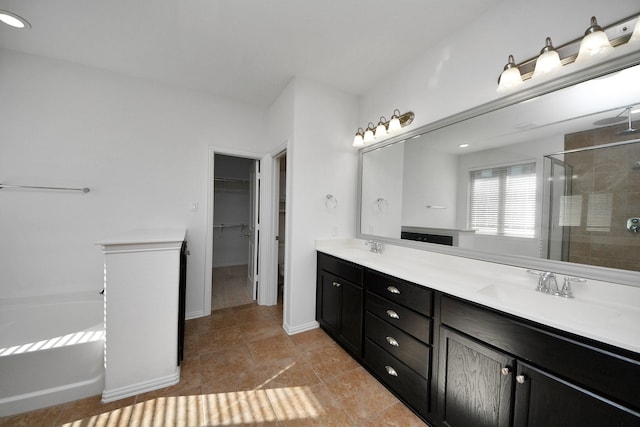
pixel 391 371
pixel 392 341
pixel 505 371
pixel 392 314
pixel 393 290
pixel 336 284
pixel 520 379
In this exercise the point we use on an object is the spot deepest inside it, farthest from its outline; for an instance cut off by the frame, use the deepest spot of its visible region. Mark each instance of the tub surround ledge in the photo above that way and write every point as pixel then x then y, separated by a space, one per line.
pixel 602 311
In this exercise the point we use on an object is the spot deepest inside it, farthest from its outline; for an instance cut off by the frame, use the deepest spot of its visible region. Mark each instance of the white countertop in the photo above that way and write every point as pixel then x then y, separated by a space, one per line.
pixel 602 311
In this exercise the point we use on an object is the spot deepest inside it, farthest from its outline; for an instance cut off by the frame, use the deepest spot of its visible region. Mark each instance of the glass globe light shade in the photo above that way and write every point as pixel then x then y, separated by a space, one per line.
pixel 358 140
pixel 594 44
pixel 368 136
pixel 547 63
pixel 394 124
pixel 510 77
pixel 381 130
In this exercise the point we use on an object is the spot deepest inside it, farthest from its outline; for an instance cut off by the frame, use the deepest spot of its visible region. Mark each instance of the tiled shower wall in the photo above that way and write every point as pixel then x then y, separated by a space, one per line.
pixel 610 190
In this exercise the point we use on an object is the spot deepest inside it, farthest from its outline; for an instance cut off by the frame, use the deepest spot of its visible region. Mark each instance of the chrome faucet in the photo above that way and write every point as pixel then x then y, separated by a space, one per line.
pixel 376 247
pixel 548 284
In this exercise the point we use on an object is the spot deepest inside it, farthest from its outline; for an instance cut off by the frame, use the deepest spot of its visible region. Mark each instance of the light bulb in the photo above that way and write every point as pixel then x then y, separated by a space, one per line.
pixel 548 61
pixel 510 77
pixel 594 44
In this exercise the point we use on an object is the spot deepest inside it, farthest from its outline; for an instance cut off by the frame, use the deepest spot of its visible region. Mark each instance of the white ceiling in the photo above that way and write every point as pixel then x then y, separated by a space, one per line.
pixel 247 50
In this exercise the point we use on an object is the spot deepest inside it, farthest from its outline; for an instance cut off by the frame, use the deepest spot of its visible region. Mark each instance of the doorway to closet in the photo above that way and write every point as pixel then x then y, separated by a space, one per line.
pixel 234 279
pixel 281 199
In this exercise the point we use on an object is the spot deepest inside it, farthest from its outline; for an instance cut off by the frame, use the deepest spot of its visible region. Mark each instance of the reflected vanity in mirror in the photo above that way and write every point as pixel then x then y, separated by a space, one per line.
pixel 548 180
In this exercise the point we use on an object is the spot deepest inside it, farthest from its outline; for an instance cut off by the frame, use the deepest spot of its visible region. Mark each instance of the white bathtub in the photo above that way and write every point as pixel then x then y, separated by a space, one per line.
pixel 51 351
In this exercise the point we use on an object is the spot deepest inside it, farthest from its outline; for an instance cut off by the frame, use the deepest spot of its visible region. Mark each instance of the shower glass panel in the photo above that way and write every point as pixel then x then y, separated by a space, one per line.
pixel 593 192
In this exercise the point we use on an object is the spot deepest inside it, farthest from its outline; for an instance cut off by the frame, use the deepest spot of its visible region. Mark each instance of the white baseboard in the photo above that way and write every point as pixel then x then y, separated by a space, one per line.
pixel 143 387
pixel 292 330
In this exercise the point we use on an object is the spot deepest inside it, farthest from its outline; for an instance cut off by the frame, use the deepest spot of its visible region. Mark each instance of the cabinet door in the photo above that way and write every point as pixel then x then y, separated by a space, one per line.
pixel 474 383
pixel 331 301
pixel 543 400
pixel 351 316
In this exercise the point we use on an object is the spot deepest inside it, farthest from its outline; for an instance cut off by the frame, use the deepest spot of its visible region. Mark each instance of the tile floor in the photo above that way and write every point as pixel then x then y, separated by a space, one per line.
pixel 241 368
pixel 229 287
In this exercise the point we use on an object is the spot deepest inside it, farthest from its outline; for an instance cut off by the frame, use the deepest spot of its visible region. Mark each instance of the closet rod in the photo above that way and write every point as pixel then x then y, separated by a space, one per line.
pixel 84 190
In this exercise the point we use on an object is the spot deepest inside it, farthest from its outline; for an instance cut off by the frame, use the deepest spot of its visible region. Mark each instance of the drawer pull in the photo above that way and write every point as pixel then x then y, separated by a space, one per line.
pixel 505 371
pixel 391 371
pixel 393 290
pixel 392 314
pixel 520 379
pixel 336 284
pixel 392 341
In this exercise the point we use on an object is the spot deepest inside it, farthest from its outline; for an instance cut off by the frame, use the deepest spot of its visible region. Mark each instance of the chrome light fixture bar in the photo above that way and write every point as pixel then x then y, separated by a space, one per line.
pixel 384 128
pixel 598 42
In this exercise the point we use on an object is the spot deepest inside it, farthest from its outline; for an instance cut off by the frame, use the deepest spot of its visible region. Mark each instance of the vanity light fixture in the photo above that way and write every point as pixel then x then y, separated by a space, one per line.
pixel 548 62
pixel 383 129
pixel 13 20
pixel 595 42
pixel 510 77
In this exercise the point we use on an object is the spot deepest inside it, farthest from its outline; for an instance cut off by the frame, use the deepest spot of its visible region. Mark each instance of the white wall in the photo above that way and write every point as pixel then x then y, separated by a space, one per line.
pixel 320 161
pixel 141 148
pixel 461 72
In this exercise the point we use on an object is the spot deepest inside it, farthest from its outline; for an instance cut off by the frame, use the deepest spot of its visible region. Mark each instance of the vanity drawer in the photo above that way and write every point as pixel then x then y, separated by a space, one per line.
pixel 399 316
pixel 404 347
pixel 401 379
pixel 341 268
pixel 408 294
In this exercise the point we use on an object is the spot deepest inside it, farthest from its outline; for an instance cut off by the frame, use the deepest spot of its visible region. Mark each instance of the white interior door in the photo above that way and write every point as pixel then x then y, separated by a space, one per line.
pixel 254 230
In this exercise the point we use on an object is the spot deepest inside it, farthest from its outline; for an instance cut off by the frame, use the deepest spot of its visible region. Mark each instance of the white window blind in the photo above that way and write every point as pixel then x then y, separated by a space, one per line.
pixel 503 200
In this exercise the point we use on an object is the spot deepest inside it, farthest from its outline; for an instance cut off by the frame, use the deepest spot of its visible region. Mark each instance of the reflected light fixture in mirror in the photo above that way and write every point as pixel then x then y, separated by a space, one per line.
pixel 510 77
pixel 548 62
pixel 595 43
pixel 13 20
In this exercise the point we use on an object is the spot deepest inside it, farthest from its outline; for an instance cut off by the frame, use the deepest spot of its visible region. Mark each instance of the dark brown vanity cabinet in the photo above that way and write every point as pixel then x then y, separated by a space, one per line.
pixel 458 364
pixel 339 301
pixel 496 370
pixel 398 337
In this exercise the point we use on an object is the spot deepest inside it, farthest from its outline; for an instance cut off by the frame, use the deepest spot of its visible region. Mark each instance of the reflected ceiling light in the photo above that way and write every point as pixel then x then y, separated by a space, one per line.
pixel 383 129
pixel 510 76
pixel 13 20
pixel 549 61
pixel 595 42
pixel 463 145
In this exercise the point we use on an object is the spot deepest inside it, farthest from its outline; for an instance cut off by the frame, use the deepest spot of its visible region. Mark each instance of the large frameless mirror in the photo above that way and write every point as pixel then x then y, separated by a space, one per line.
pixel 550 182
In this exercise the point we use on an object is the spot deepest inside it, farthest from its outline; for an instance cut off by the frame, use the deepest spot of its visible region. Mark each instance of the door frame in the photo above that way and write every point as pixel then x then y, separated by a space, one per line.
pixel 267 232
